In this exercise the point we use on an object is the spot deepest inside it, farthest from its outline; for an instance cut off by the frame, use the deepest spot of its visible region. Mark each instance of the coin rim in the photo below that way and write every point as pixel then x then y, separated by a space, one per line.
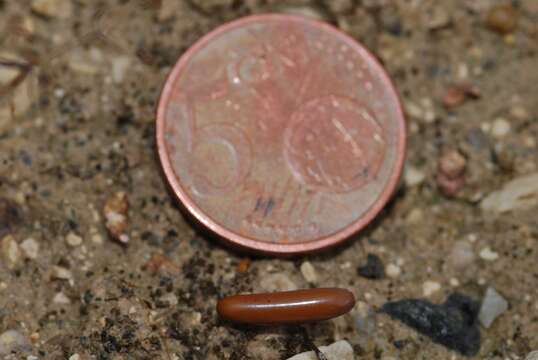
pixel 262 246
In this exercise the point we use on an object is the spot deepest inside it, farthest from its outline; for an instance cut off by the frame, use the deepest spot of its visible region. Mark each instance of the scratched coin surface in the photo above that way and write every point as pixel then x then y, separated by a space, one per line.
pixel 280 134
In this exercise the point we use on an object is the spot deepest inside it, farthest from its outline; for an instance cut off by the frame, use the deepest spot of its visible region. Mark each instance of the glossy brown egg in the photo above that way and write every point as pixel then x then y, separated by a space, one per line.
pixel 288 307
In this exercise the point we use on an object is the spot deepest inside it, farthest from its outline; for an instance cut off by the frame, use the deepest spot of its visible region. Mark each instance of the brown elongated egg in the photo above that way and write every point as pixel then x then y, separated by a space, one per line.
pixel 287 307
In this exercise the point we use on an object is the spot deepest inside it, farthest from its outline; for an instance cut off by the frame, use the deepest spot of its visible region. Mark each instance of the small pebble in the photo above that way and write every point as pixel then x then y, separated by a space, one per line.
pixel 493 305
pixel 462 255
pixel 59 272
pixel 75 357
pixel 309 273
pixel 340 350
pixel 243 265
pixel 500 127
pixel 450 187
pixel 81 63
pixel 73 239
pixel 53 8
pixel 430 287
pixel 451 172
pixel 533 355
pixel 437 18
pixel 488 254
pixel 120 65
pixel 8 74
pixel 415 216
pixel 413 110
pixel 373 269
pixel 456 95
pixel 170 299
pixel 502 19
pixel 160 264
pixel 393 270
pixel 115 211
pixel 519 193
pixel 10 251
pixel 277 282
pixel 30 248
pixel 12 341
pixel 519 112
pixel 340 6
pixel 453 97
pixel 61 299
pixel 97 239
pixel 452 164
pixel 413 176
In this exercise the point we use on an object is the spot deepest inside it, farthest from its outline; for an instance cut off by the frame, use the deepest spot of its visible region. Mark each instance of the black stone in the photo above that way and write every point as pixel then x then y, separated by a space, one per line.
pixel 374 268
pixel 452 324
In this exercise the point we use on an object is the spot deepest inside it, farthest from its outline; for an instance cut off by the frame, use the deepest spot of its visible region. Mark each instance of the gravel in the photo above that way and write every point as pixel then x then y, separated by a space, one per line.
pixel 30 248
pixel 12 341
pixel 493 305
pixel 519 193
pixel 309 272
pixel 340 350
pixel 10 251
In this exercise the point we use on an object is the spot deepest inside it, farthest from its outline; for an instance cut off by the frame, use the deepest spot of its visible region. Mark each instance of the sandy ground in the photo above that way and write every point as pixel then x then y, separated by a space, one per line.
pixel 77 128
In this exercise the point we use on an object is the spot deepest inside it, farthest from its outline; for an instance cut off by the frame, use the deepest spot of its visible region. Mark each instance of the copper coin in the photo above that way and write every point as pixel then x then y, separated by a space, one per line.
pixel 280 134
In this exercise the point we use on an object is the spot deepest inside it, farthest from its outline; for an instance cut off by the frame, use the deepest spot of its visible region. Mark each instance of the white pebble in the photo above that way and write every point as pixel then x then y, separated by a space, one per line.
pixel 61 299
pixel 415 216
pixel 120 65
pixel 59 272
pixel 170 298
pixel 7 75
pixel 53 8
pixel 277 282
pixel 413 110
pixel 97 239
pixel 309 273
pixel 488 254
pixel 73 239
pixel 500 128
pixel 430 287
pixel 340 350
pixel 533 355
pixel 11 341
pixel 10 251
pixel 30 248
pixel 59 93
pixel 393 270
pixel 75 357
pixel 519 193
pixel 493 305
pixel 413 176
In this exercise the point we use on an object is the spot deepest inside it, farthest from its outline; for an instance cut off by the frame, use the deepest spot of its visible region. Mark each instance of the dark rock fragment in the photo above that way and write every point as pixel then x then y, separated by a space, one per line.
pixel 374 268
pixel 452 324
